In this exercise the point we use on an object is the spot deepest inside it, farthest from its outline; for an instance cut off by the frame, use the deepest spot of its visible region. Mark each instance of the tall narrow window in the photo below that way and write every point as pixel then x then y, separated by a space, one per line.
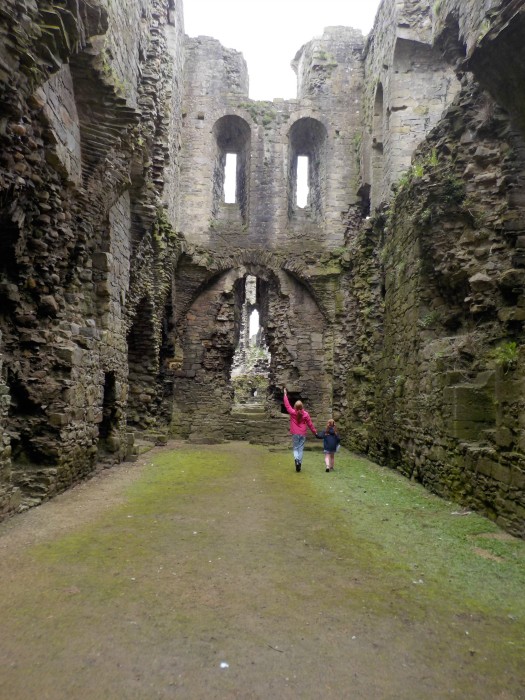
pixel 302 182
pixel 230 178
pixel 231 170
pixel 254 324
pixel 251 361
pixel 307 179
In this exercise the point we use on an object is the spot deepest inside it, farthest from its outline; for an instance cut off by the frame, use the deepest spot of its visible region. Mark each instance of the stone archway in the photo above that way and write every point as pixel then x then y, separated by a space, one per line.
pixel 207 330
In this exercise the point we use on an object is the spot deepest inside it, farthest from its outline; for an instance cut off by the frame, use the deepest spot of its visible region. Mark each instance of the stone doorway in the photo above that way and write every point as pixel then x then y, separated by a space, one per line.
pixel 251 361
pixel 293 347
pixel 107 430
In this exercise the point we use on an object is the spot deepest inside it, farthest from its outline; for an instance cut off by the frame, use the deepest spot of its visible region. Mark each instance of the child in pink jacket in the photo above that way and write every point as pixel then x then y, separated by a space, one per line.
pixel 299 421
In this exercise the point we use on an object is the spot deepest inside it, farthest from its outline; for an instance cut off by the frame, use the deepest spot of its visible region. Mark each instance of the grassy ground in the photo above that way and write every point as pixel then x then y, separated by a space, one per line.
pixel 353 584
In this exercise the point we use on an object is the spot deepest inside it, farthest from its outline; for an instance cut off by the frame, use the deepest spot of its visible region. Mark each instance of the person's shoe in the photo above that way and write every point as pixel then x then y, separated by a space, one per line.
pixel 327 470
pixel 297 465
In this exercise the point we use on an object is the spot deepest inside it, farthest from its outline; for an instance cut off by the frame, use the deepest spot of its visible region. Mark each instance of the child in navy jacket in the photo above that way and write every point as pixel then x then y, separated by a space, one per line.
pixel 331 442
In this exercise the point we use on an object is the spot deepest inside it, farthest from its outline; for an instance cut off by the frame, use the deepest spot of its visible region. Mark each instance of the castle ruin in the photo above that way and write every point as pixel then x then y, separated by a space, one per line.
pixel 392 300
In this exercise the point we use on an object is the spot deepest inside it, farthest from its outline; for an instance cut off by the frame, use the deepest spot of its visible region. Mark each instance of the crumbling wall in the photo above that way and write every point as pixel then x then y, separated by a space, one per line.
pixel 121 265
pixel 208 323
pixel 483 38
pixel 359 332
pixel 407 87
pixel 449 385
pixel 432 333
pixel 267 138
pixel 86 110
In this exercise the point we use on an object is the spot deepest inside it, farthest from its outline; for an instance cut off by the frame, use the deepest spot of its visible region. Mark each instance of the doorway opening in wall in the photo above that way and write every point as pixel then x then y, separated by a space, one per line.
pixel 302 191
pixel 108 440
pixel 251 361
pixel 230 179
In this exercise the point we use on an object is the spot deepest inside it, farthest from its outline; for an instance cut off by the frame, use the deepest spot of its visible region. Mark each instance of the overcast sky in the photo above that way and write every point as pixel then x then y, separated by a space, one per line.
pixel 270 32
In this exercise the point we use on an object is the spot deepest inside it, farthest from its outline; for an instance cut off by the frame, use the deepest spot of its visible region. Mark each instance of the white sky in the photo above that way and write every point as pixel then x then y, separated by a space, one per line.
pixel 270 32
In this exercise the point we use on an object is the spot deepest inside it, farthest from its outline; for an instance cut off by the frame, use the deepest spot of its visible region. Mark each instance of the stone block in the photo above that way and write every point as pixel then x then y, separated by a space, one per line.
pixel 58 419
pixel 509 389
pixel 70 355
pixel 501 473
pixel 504 437
pixel 469 403
pixel 517 477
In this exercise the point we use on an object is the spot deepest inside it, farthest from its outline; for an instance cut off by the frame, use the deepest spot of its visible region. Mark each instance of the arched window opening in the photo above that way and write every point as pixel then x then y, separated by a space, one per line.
pixel 302 189
pixel 251 361
pixel 232 168
pixel 230 178
pixel 307 169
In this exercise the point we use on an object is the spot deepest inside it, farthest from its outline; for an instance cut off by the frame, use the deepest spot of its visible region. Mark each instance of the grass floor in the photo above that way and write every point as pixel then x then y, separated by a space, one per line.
pixel 356 583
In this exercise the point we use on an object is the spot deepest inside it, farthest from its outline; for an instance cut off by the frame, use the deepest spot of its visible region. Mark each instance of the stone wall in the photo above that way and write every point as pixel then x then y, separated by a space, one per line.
pixel 268 137
pixel 292 251
pixel 435 373
pixel 451 372
pixel 85 137
pixel 407 87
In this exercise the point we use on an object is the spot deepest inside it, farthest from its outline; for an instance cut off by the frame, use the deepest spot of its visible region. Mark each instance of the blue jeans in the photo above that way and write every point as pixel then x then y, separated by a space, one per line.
pixel 298 446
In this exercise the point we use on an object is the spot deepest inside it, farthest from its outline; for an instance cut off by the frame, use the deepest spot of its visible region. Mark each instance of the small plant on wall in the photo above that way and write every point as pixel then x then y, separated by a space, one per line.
pixel 506 355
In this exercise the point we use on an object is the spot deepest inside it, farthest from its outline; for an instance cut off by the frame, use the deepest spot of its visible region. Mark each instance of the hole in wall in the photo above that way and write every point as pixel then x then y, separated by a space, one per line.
pixel 8 240
pixel 143 356
pixel 292 398
pixel 364 196
pixel 24 414
pixel 251 360
pixel 109 410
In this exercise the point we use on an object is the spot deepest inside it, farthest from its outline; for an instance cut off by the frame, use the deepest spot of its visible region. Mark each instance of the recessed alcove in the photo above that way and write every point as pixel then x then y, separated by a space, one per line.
pixel 307 140
pixel 233 141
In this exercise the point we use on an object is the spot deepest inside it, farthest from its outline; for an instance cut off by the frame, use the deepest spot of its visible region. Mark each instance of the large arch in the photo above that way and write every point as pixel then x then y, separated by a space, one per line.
pixel 207 332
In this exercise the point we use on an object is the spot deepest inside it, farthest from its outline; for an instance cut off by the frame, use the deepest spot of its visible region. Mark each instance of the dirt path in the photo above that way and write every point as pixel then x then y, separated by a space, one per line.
pixel 218 572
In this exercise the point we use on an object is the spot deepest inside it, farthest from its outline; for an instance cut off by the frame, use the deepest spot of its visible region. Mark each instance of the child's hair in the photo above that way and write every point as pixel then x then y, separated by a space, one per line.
pixel 331 424
pixel 298 405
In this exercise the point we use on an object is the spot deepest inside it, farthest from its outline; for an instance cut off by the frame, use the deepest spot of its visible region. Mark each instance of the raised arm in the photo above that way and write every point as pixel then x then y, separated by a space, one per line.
pixel 290 410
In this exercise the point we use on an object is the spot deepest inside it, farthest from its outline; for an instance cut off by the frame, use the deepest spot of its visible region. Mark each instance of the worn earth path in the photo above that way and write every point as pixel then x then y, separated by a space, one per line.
pixel 218 572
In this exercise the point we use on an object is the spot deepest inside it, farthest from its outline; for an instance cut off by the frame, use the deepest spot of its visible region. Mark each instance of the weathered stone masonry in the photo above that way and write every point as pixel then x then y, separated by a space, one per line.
pixel 445 381
pixel 393 301
pixel 84 146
